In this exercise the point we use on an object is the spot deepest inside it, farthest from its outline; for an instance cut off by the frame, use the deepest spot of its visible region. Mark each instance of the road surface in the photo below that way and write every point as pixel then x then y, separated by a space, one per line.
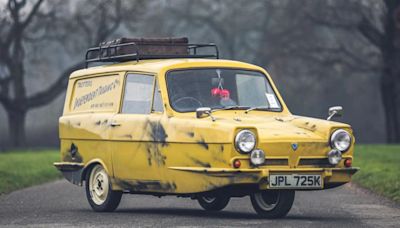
pixel 60 204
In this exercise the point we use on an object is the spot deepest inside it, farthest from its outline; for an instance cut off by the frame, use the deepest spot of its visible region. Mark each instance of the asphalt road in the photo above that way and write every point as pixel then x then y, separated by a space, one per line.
pixel 62 204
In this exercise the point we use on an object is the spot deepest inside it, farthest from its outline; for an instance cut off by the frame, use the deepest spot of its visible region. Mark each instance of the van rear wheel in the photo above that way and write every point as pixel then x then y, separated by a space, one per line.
pixel 214 202
pixel 98 190
pixel 272 203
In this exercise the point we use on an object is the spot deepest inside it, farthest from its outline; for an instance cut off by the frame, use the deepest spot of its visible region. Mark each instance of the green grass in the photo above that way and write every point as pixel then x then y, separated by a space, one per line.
pixel 380 169
pixel 20 169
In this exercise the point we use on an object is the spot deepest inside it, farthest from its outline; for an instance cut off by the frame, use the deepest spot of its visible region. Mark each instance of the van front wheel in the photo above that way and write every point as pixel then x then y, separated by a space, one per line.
pixel 98 190
pixel 272 203
pixel 213 203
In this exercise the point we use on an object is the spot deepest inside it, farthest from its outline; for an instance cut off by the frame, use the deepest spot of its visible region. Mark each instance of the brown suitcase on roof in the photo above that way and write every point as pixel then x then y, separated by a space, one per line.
pixel 148 46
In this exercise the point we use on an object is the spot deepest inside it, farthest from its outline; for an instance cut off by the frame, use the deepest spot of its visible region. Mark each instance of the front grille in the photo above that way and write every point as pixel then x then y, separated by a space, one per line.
pixel 277 162
pixel 317 162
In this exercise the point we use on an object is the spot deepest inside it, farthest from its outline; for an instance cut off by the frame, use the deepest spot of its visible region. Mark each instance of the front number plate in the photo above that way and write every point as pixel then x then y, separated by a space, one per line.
pixel 295 181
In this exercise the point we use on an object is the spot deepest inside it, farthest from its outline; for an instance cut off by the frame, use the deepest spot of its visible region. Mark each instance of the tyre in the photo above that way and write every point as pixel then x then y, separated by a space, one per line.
pixel 213 203
pixel 98 190
pixel 272 203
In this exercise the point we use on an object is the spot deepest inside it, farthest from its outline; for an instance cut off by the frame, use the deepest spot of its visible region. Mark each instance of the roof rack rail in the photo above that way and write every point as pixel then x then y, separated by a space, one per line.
pixel 120 52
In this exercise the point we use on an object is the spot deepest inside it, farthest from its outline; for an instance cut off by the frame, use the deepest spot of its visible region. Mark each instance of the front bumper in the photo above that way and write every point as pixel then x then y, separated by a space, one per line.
pixel 332 177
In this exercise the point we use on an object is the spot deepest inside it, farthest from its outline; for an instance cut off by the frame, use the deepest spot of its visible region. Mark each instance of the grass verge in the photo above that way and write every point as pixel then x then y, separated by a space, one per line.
pixel 20 169
pixel 380 169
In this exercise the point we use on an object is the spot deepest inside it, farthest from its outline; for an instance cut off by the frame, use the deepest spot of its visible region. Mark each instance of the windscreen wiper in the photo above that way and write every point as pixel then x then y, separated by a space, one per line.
pixel 256 108
pixel 231 108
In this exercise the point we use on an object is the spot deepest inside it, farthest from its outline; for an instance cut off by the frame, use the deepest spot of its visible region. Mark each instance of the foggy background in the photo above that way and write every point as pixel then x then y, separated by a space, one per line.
pixel 318 53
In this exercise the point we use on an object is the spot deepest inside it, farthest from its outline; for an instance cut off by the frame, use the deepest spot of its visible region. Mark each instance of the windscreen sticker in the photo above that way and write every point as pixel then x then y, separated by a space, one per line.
pixel 272 100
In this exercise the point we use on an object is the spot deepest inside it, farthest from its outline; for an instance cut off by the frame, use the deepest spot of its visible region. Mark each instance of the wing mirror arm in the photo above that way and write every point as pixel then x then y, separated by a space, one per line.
pixel 204 112
pixel 335 111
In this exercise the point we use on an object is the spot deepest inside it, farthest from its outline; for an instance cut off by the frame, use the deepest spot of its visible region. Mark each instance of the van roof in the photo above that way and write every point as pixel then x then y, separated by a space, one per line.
pixel 157 65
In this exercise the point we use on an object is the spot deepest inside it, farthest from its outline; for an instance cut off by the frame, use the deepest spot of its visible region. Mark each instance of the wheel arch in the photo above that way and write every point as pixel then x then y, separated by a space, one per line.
pixel 90 165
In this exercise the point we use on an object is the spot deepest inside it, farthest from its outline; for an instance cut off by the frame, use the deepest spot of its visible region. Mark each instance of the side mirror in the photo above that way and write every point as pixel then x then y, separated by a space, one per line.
pixel 203 112
pixel 335 111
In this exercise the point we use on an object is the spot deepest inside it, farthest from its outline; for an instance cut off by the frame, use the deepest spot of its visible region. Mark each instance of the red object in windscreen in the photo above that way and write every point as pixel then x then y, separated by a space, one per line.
pixel 224 94
pixel 215 92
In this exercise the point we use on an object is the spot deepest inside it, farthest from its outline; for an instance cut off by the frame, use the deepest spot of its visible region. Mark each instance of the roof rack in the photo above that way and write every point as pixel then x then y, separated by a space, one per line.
pixel 121 52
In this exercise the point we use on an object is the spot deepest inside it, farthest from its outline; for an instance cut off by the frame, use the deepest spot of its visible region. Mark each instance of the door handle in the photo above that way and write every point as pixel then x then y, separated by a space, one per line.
pixel 115 124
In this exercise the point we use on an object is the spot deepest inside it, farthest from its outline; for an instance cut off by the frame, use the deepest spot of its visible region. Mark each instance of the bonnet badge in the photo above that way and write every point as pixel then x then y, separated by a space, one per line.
pixel 295 146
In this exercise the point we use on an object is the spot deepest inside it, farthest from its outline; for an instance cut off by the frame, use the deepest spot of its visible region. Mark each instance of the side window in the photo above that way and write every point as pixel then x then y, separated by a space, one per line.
pixel 157 103
pixel 138 94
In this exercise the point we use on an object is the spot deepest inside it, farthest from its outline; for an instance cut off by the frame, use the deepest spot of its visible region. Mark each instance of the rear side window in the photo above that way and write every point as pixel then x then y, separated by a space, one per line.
pixel 96 94
pixel 138 94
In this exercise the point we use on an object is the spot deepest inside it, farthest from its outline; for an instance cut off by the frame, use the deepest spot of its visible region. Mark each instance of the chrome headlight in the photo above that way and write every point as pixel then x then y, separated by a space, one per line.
pixel 245 141
pixel 334 157
pixel 257 157
pixel 340 140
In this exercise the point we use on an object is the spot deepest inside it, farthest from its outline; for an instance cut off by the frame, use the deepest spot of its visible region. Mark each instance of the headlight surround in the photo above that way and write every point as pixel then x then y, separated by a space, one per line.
pixel 257 157
pixel 245 141
pixel 340 140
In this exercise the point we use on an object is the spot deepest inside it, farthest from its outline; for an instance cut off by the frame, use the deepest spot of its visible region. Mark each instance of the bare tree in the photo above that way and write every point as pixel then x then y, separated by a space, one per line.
pixel 13 92
pixel 232 26
pixel 96 21
pixel 377 23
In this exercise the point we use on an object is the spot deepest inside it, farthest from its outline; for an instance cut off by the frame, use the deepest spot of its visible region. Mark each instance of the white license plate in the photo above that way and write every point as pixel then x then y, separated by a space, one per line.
pixel 295 181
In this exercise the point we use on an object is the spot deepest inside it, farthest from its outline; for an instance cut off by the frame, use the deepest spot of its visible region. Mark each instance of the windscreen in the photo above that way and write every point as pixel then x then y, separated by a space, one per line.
pixel 219 89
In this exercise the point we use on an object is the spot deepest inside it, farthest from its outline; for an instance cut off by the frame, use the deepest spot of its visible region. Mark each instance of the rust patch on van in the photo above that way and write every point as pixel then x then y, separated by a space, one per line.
pixel 150 185
pixel 243 176
pixel 190 134
pixel 154 154
pixel 73 155
pixel 202 143
pixel 158 138
pixel 200 163
pixel 129 136
pixel 157 133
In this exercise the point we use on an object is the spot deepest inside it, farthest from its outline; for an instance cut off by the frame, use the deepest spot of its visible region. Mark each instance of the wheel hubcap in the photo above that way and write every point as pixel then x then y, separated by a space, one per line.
pixel 267 200
pixel 98 185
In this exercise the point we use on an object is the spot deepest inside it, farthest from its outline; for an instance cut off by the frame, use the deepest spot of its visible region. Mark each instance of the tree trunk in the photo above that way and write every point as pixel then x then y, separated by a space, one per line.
pixel 16 125
pixel 388 93
pixel 390 80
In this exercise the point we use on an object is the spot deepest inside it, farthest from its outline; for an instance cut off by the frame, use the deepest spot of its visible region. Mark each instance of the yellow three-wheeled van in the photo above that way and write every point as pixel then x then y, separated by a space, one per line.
pixel 169 118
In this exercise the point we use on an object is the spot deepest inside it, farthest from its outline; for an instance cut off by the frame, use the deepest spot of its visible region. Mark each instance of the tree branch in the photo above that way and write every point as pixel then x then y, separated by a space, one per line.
pixel 5 80
pixel 117 18
pixel 330 23
pixel 14 7
pixel 82 23
pixel 4 99
pixel 370 32
pixel 31 14
pixel 202 19
pixel 44 97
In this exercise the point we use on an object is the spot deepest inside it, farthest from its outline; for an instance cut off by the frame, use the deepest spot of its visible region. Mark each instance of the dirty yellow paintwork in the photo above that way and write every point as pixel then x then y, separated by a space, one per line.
pixel 177 153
